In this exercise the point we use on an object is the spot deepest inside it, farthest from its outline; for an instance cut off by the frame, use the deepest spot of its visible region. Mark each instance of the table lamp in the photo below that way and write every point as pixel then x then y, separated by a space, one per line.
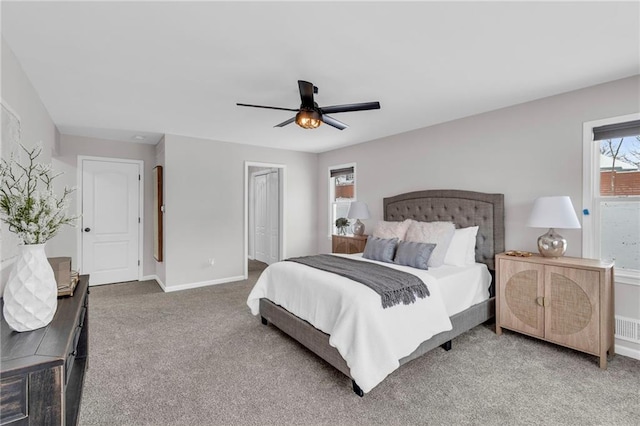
pixel 358 210
pixel 553 212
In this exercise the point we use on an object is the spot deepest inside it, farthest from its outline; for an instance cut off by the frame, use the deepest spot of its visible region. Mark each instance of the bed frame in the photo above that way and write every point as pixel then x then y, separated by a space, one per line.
pixel 464 208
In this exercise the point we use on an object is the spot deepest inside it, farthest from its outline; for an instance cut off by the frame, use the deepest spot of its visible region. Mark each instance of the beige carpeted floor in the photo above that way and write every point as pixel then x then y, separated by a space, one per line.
pixel 198 357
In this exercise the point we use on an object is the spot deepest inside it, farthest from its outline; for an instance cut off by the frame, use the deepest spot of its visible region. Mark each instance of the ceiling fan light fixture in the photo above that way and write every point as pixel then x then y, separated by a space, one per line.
pixel 308 119
pixel 310 115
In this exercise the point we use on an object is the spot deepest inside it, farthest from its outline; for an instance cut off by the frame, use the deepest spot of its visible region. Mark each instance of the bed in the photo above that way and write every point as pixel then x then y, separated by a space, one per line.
pixel 464 209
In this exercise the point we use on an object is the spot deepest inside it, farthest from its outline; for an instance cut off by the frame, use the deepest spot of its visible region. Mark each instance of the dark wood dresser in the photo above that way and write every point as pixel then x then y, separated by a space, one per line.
pixel 42 371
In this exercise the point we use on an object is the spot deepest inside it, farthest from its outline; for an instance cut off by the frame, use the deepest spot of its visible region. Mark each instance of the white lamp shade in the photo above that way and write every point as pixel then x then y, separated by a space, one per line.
pixel 358 210
pixel 553 212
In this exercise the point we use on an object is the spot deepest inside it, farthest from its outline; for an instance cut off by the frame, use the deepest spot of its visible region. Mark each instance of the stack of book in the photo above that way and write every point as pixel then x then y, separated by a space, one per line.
pixel 67 289
pixel 65 277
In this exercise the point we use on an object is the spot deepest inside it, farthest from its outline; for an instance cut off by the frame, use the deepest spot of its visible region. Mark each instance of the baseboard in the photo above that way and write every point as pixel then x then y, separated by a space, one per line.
pixel 154 277
pixel 188 286
pixel 629 352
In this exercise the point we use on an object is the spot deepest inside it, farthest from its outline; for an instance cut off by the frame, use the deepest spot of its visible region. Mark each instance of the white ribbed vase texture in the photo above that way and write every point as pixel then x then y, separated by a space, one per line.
pixel 31 294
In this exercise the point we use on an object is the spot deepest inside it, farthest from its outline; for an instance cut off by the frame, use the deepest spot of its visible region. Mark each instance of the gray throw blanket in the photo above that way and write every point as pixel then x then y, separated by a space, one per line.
pixel 393 286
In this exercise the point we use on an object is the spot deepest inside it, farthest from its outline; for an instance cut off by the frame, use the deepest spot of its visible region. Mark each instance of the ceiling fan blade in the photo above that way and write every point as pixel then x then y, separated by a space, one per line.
pixel 350 107
pixel 284 123
pixel 306 93
pixel 268 107
pixel 333 122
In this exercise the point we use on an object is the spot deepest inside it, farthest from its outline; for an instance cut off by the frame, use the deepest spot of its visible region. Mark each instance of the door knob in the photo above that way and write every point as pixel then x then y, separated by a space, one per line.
pixel 87 229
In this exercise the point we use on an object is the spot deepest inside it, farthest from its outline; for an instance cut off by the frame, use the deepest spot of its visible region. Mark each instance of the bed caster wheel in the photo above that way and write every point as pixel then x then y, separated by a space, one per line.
pixel 264 321
pixel 446 346
pixel 357 389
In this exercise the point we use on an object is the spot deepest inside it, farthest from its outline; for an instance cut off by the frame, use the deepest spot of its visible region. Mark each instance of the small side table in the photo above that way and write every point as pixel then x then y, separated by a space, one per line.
pixel 348 244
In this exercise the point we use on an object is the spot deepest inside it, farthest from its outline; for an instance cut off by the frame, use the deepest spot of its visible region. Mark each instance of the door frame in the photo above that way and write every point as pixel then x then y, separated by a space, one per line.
pixel 282 189
pixel 251 224
pixel 140 164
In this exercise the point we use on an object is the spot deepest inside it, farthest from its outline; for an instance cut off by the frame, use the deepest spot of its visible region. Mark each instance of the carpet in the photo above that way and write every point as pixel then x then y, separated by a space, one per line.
pixel 198 357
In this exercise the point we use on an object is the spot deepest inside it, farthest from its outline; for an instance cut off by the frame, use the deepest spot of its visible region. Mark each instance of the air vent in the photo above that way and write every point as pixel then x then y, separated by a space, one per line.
pixel 628 329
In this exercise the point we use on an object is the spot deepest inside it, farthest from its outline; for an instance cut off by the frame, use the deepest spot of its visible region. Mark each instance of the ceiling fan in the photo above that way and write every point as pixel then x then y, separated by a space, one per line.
pixel 310 115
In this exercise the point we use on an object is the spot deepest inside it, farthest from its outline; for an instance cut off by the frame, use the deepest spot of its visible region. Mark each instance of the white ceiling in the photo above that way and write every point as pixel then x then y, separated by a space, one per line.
pixel 115 69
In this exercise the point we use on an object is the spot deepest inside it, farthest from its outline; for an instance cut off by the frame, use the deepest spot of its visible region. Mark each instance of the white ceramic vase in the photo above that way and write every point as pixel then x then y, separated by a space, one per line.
pixel 31 294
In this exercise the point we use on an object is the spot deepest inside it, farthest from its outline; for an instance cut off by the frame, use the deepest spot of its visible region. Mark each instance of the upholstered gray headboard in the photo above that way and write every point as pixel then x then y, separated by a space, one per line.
pixel 464 208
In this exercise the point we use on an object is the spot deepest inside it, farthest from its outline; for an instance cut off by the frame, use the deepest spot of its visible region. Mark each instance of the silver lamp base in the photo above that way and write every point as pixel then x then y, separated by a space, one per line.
pixel 358 228
pixel 552 244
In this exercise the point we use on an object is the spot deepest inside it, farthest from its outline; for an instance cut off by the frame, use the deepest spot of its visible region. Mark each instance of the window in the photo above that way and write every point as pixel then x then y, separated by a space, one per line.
pixel 342 191
pixel 612 194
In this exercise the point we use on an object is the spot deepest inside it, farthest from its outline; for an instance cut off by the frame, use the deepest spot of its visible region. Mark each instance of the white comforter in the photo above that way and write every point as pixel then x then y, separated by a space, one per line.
pixel 371 339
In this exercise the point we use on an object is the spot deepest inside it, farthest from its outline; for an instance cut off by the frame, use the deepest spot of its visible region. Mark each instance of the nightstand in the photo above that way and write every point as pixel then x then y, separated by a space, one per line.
pixel 348 243
pixel 563 300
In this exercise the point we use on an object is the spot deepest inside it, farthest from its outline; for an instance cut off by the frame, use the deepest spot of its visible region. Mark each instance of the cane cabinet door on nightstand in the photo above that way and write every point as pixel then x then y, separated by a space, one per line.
pixel 572 315
pixel 520 287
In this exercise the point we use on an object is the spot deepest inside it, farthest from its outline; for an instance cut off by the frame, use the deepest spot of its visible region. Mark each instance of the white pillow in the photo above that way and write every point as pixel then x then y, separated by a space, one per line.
pixel 388 230
pixel 462 250
pixel 438 233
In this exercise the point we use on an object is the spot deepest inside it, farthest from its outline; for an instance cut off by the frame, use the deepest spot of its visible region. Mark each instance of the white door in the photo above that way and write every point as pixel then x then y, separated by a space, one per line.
pixel 273 190
pixel 110 220
pixel 260 217
pixel 267 217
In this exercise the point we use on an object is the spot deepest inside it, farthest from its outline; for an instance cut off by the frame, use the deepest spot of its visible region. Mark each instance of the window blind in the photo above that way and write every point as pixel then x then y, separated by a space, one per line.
pixel 616 130
pixel 342 172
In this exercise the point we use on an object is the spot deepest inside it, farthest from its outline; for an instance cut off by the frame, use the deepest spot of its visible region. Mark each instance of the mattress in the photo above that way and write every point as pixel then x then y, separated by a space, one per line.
pixel 371 339
pixel 462 286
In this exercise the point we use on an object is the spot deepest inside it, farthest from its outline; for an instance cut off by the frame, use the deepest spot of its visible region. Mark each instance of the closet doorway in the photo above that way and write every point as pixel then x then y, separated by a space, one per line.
pixel 264 211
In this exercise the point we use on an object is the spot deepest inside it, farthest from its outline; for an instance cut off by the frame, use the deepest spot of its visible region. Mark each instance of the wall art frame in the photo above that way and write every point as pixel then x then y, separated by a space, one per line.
pixel 158 213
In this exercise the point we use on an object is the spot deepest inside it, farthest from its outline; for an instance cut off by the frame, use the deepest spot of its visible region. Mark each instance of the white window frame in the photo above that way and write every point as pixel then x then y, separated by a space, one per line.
pixel 591 198
pixel 331 191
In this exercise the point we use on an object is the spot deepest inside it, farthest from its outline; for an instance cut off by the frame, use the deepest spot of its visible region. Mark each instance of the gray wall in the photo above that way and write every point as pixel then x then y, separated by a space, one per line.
pixel 37 126
pixel 204 200
pixel 524 151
